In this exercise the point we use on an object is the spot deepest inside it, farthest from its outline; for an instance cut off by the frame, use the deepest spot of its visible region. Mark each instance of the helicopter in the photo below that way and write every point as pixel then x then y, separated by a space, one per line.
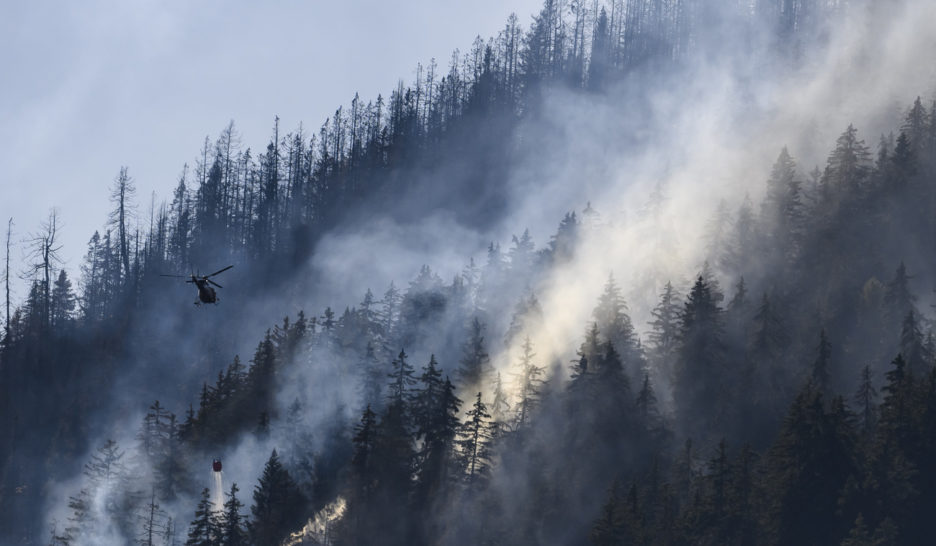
pixel 206 294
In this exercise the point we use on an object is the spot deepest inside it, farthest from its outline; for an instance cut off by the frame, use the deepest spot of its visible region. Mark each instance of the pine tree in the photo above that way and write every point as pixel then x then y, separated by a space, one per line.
pixel 847 166
pixel 615 325
pixel 609 528
pixel 521 255
pixel 203 531
pixel 426 400
pixel 82 520
pixel 811 461
pixel 393 461
pixel 783 207
pixel 898 299
pixel 701 370
pixel 401 380
pixel 562 245
pixel 647 403
pixel 364 440
pixel 915 127
pixel 865 404
pixel 436 456
pixel 63 301
pixel 474 441
pixel 599 60
pixel 232 530
pixel 475 366
pixel 278 505
pixel 913 346
pixel 820 369
pixel 664 331
pixel 373 378
pixel 526 312
pixel 531 383
pixel 500 406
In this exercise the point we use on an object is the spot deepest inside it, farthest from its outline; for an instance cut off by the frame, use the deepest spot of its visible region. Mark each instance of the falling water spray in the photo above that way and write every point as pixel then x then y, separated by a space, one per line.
pixel 217 493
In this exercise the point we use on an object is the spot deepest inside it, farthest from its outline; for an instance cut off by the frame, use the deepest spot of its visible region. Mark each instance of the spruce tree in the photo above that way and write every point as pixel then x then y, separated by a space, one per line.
pixel 436 456
pixel 821 366
pixel 278 505
pixel 810 463
pixel 401 381
pixel 232 525
pixel 865 400
pixel 615 326
pixel 531 383
pixel 701 371
pixel 474 441
pixel 203 531
pixel 663 338
pixel 426 399
pixel 475 366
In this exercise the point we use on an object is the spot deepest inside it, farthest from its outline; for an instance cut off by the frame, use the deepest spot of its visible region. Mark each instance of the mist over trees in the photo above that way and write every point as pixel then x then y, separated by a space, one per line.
pixel 783 394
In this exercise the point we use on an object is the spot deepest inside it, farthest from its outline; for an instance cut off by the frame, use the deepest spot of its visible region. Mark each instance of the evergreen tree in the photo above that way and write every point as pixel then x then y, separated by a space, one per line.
pixel 232 529
pixel 783 208
pixel 401 382
pixel 63 301
pixel 647 403
pixel 526 312
pixel 435 459
pixel 278 505
pixel 820 369
pixel 365 435
pixel 600 60
pixel 615 325
pixel 664 332
pixel 701 371
pixel 562 245
pixel 898 299
pixel 915 127
pixel 865 404
pixel 913 347
pixel 393 461
pixel 474 441
pixel 475 366
pixel 531 383
pixel 373 378
pixel 847 166
pixel 203 531
pixel 609 528
pixel 521 255
pixel 426 400
pixel 500 406
pixel 808 467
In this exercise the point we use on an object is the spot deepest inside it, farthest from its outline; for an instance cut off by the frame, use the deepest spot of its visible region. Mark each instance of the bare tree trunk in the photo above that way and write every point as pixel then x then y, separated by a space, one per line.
pixel 6 274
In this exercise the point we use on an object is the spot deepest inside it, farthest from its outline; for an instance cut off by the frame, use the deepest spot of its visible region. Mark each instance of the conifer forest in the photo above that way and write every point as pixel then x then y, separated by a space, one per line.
pixel 628 272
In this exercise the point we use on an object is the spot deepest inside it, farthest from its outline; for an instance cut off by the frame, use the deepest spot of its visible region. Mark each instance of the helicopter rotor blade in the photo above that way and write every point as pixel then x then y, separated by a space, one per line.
pixel 214 283
pixel 177 276
pixel 219 271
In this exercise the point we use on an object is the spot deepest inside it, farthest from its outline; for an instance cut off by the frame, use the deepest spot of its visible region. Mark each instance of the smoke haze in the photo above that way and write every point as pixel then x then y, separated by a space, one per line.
pixel 653 155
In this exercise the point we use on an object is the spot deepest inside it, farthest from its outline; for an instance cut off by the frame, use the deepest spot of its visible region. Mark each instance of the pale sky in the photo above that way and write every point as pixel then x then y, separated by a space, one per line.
pixel 87 87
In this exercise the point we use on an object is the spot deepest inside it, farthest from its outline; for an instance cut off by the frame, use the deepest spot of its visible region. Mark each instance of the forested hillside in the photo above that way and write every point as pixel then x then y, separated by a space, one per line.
pixel 710 344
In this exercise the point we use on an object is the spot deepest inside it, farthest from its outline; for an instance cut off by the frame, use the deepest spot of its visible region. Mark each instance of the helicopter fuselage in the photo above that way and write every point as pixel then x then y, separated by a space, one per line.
pixel 206 294
pixel 204 284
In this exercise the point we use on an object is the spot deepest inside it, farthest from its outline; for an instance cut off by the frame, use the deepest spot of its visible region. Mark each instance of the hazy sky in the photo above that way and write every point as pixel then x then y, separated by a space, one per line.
pixel 90 86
